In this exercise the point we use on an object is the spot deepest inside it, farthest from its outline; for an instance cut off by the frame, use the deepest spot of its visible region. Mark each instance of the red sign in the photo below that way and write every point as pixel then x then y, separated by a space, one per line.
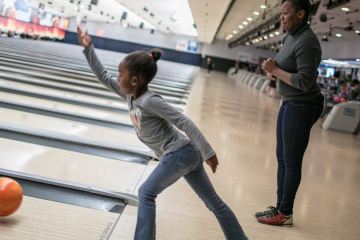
pixel 10 24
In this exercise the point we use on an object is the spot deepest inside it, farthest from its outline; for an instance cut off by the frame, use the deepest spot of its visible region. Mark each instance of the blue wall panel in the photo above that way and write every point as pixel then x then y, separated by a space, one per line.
pixel 127 47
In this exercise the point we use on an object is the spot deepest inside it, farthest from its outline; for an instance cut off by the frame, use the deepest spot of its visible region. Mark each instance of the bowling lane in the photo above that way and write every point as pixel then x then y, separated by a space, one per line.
pixel 66 87
pixel 125 228
pixel 86 111
pixel 90 82
pixel 178 72
pixel 110 60
pixel 111 63
pixel 125 136
pixel 28 61
pixel 161 81
pixel 40 219
pixel 170 88
pixel 39 73
pixel 71 167
pixel 121 106
pixel 81 91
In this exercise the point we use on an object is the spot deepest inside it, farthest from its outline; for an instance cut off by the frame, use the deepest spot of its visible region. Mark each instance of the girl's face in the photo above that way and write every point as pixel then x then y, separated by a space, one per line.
pixel 127 82
pixel 290 18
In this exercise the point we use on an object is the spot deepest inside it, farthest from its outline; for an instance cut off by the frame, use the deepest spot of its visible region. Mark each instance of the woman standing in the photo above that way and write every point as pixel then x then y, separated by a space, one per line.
pixel 295 67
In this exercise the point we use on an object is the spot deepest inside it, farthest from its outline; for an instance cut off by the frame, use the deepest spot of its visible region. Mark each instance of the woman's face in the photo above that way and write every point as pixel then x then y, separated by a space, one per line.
pixel 290 18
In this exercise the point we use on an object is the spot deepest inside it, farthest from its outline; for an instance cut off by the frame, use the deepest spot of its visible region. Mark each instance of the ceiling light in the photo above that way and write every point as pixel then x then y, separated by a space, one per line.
pixel 338 35
pixel 277 33
pixel 263 7
pixel 256 40
pixel 271 35
pixel 241 26
pixel 265 37
pixel 245 23
pixel 345 9
pixel 249 19
pixel 357 31
pixel 229 36
pixel 358 60
pixel 256 13
pixel 234 32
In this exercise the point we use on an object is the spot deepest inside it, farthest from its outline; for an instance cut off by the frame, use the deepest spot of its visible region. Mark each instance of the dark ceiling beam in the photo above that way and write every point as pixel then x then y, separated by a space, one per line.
pixel 223 19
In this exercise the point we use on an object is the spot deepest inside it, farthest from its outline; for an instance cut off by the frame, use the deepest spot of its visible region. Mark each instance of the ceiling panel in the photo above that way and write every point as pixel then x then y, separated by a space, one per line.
pixel 168 16
pixel 179 16
pixel 208 16
pixel 337 21
pixel 240 11
pixel 108 11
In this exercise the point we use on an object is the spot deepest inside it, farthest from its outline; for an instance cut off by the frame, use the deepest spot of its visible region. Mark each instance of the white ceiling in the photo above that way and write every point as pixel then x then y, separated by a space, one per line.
pixel 208 16
pixel 167 16
pixel 178 16
pixel 172 16
pixel 240 11
pixel 336 18
pixel 109 11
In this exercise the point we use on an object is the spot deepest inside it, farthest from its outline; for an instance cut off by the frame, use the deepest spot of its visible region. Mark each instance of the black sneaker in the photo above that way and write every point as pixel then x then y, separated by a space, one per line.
pixel 270 211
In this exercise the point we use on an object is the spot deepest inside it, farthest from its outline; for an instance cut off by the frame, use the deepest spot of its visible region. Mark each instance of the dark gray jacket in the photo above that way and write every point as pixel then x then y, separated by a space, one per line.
pixel 301 56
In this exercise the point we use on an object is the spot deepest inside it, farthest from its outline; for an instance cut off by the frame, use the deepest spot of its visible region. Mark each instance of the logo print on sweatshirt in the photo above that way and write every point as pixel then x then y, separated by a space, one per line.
pixel 135 117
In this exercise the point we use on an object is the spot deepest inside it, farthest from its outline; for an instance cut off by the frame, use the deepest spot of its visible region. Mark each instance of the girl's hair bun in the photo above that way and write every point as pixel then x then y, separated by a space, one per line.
pixel 156 54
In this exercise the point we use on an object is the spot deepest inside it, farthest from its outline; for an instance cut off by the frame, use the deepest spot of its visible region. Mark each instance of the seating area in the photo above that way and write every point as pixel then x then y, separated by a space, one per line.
pixel 252 80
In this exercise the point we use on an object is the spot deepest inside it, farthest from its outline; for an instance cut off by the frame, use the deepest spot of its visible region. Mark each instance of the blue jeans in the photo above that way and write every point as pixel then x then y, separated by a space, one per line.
pixel 185 162
pixel 295 120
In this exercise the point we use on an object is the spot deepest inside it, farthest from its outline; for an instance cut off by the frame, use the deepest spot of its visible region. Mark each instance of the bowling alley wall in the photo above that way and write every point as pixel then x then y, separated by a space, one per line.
pixel 177 48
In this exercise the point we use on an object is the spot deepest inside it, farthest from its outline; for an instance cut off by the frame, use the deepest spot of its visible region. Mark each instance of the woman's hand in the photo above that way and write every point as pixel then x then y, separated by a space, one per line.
pixel 213 163
pixel 84 38
pixel 273 71
pixel 270 76
pixel 268 66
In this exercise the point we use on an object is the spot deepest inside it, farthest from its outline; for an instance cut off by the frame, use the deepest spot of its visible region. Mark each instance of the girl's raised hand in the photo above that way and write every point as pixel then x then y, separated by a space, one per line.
pixel 84 38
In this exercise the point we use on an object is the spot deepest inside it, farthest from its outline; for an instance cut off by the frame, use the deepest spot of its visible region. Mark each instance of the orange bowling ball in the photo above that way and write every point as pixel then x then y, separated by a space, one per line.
pixel 11 194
